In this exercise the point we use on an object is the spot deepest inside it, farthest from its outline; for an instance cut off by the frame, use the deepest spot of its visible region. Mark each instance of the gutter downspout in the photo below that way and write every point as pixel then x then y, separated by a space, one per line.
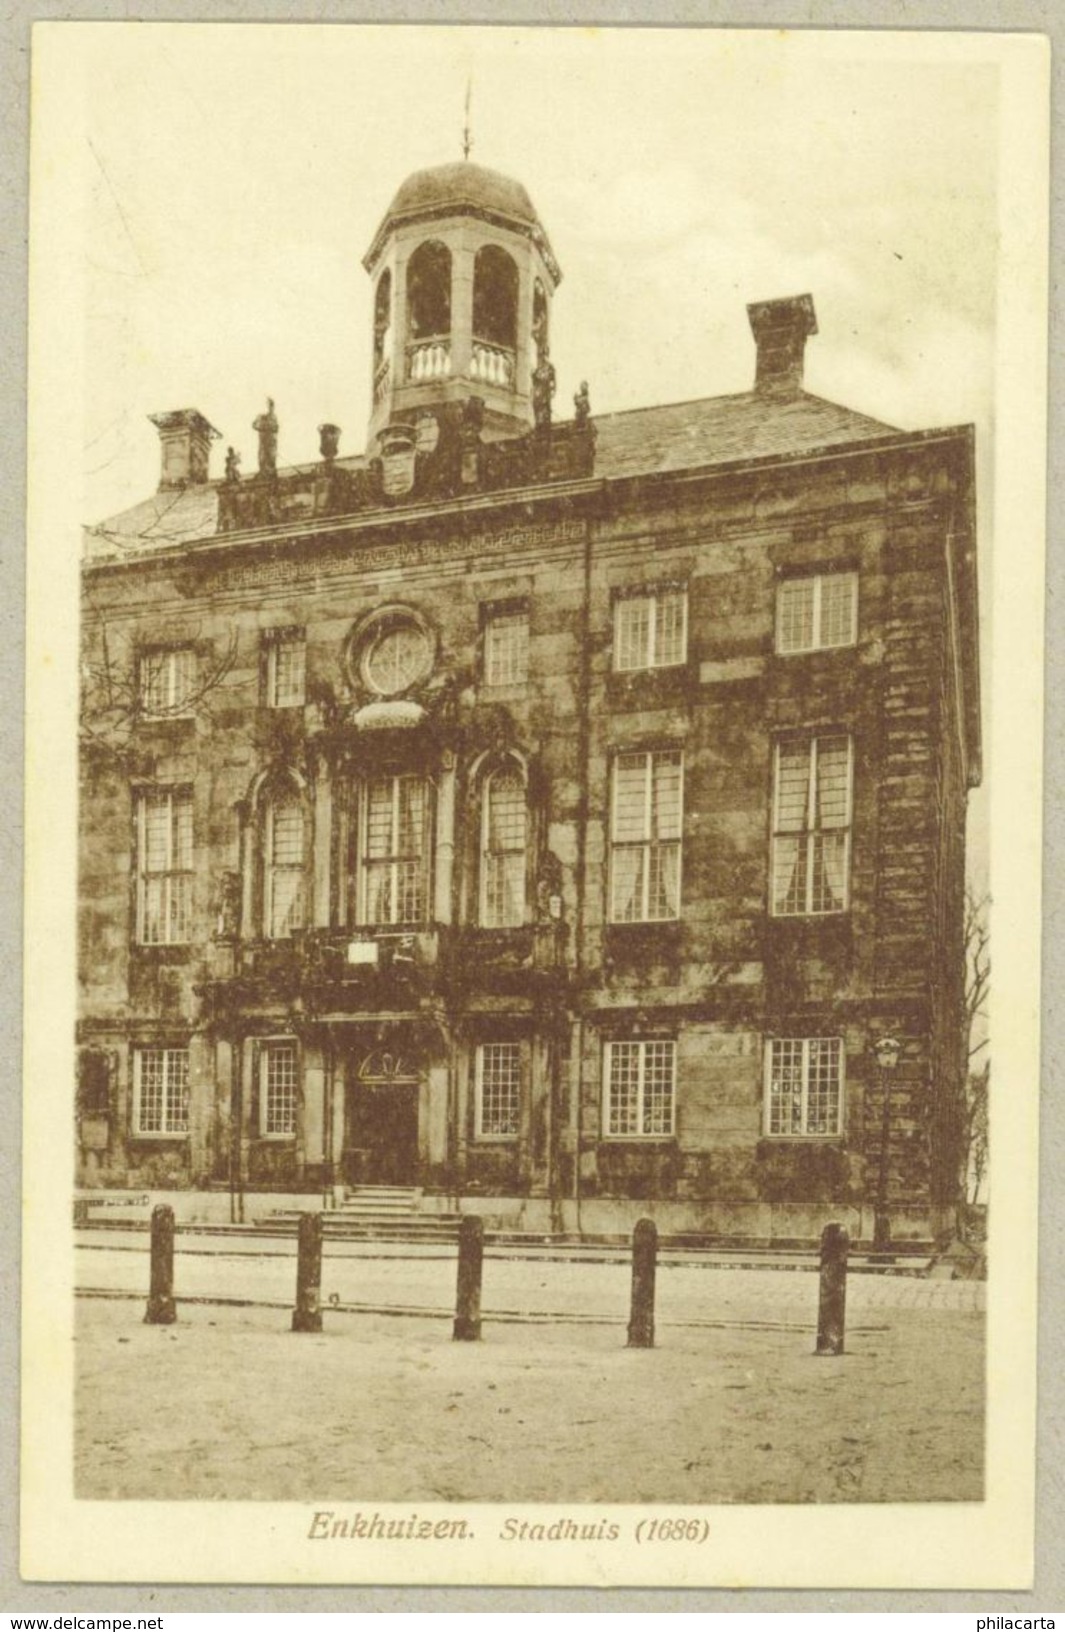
pixel 583 738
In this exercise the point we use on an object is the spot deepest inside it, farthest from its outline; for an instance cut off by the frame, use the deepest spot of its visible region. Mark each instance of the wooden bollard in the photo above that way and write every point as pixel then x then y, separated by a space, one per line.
pixel 161 1310
pixel 832 1303
pixel 644 1256
pixel 307 1315
pixel 467 1327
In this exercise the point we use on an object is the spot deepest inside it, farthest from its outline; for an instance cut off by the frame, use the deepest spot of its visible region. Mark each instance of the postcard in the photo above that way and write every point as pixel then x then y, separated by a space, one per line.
pixel 535 588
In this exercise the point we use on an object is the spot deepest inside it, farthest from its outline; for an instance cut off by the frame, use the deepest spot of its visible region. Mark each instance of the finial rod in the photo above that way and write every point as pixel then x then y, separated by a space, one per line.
pixel 467 139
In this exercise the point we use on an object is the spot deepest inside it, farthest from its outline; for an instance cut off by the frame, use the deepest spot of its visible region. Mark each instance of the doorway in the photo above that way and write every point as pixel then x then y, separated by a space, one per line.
pixel 381 1136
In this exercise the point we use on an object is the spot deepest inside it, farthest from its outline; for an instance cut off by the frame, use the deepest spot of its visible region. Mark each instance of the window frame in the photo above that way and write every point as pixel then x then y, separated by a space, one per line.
pixel 365 862
pixel 274 641
pixel 282 797
pixel 817 581
pixel 179 706
pixel 494 618
pixel 649 845
pixel 519 1048
pixel 166 1050
pixel 641 1044
pixel 507 767
pixel 653 594
pixel 803 1134
pixel 267 1048
pixel 142 798
pixel 808 834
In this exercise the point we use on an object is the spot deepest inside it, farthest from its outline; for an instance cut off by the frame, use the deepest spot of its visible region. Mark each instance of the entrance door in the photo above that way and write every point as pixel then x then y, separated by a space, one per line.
pixel 382 1143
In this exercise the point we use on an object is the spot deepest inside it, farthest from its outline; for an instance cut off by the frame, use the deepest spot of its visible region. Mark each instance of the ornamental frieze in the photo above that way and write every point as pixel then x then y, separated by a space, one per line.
pixel 323 561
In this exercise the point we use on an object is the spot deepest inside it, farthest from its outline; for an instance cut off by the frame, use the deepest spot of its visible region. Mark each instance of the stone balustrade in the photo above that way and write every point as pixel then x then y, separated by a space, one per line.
pixel 428 360
pixel 492 365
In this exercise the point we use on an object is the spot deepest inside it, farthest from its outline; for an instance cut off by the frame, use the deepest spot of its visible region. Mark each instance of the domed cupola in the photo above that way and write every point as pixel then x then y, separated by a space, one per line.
pixel 463 279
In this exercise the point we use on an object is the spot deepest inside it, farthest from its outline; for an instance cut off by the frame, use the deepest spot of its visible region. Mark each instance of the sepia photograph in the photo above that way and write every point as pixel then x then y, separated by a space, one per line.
pixel 520 615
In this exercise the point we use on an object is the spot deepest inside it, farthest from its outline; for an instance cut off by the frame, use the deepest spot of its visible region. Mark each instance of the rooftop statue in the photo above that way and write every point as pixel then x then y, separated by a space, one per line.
pixel 266 425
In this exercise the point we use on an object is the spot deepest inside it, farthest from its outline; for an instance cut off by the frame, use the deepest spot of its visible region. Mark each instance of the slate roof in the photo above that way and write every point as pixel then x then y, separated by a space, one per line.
pixel 719 430
pixel 639 442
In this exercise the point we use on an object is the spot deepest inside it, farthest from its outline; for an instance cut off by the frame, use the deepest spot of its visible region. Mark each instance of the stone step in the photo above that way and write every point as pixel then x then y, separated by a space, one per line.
pixel 371 1226
pixel 379 1198
pixel 395 1209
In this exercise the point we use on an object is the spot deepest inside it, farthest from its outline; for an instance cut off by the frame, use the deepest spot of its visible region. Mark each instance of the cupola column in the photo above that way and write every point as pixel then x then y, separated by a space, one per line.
pixel 461 308
pixel 524 355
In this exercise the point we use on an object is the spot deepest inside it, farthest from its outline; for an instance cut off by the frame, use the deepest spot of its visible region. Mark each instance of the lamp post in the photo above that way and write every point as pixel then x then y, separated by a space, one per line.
pixel 886 1051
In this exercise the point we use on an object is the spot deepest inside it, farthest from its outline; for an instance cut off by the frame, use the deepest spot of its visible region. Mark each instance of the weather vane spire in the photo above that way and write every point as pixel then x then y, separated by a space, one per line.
pixel 467 139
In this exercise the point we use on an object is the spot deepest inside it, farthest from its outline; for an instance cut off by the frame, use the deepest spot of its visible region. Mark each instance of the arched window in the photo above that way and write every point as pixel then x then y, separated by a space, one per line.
pixel 495 297
pixel 382 317
pixel 504 826
pixel 284 863
pixel 429 291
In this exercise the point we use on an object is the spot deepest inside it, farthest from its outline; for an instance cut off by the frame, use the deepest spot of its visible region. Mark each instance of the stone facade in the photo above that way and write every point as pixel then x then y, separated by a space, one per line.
pixel 482 899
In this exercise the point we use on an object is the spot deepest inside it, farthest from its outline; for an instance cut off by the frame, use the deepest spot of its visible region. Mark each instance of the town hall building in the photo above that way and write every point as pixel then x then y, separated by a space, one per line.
pixel 555 816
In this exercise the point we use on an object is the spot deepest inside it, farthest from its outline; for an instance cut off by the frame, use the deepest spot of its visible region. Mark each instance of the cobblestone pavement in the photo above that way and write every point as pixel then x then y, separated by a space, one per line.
pixel 690 1291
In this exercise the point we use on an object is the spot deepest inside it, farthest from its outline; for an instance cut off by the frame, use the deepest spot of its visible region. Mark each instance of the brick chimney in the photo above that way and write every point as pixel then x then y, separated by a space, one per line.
pixel 185 439
pixel 780 328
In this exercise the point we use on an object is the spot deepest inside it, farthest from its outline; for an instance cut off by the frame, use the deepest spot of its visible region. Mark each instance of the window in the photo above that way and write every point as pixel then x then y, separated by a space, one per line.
pixel 395 850
pixel 495 297
pixel 811 826
pixel 285 669
pixel 818 612
pixel 166 680
pixel 278 1078
pixel 161 1092
pixel 639 1090
pixel 429 291
pixel 382 318
pixel 506 649
pixel 393 651
pixel 503 849
pixel 650 630
pixel 164 866
pixel 498 1090
pixel 804 1086
pixel 646 830
pixel 283 857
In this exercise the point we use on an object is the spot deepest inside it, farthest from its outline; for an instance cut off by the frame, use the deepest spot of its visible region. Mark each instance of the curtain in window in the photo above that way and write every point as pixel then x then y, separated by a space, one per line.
pixel 503 859
pixel 645 863
pixel 284 866
pixel 811 826
pixel 833 819
pixel 395 851
pixel 164 866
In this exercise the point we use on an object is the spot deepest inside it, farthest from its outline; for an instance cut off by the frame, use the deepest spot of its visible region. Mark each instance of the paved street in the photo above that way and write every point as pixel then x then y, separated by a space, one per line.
pixel 380 1276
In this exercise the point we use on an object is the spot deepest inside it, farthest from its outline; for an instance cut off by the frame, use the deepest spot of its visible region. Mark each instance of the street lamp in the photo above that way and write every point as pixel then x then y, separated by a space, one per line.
pixel 886 1051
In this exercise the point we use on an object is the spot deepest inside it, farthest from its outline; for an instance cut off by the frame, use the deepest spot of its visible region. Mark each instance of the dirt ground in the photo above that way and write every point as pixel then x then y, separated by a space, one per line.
pixel 230 1404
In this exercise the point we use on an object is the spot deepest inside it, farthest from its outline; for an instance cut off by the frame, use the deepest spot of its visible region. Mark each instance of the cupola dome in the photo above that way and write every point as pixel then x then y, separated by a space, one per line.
pixel 463 278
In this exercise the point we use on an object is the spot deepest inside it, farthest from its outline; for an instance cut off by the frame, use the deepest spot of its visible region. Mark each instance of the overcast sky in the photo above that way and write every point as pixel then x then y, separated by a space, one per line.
pixel 235 176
